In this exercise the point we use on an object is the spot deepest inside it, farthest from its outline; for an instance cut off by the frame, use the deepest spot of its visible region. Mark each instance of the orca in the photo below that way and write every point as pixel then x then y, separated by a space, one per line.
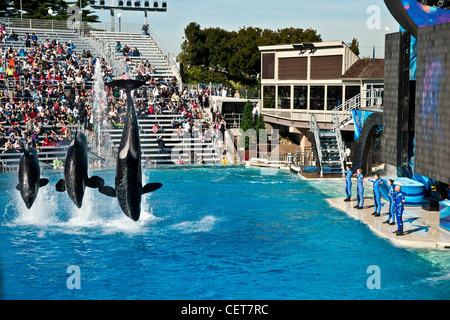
pixel 76 171
pixel 128 182
pixel 30 176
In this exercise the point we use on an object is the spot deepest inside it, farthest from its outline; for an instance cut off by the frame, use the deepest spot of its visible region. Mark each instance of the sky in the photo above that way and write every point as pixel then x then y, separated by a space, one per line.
pixel 344 20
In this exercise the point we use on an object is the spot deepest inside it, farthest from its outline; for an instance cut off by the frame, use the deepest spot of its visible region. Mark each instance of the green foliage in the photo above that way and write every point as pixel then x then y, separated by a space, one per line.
pixel 247 117
pixel 247 123
pixel 35 9
pixel 200 74
pixel 260 125
pixel 235 53
pixel 354 46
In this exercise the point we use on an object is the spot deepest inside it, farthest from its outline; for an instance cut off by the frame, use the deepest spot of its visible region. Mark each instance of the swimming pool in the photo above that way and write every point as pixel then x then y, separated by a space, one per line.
pixel 209 233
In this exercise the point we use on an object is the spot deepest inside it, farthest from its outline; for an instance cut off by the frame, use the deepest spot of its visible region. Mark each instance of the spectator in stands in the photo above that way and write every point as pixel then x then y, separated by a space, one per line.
pixel 57 164
pixel 126 51
pixel 13 36
pixel 118 46
pixel 34 39
pixel 27 40
pixel 144 30
pixel 161 145
pixel 3 140
pixel 3 33
pixel 136 52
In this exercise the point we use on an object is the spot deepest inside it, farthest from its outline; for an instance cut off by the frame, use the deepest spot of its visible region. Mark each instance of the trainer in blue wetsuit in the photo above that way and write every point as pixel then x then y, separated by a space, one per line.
pixel 348 184
pixel 376 195
pixel 399 200
pixel 391 193
pixel 359 190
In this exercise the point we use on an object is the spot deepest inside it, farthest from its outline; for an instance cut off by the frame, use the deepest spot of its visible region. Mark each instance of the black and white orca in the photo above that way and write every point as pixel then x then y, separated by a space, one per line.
pixel 30 176
pixel 128 182
pixel 76 171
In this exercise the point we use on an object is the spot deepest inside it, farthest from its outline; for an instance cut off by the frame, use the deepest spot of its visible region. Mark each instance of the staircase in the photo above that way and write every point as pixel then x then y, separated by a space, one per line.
pixel 149 47
pixel 329 149
pixel 189 149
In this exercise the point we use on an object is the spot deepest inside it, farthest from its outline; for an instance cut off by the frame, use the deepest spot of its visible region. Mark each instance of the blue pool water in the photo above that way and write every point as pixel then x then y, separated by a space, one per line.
pixel 208 233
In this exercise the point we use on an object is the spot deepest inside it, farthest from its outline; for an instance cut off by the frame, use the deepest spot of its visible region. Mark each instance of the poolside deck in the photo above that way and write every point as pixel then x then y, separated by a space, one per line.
pixel 421 228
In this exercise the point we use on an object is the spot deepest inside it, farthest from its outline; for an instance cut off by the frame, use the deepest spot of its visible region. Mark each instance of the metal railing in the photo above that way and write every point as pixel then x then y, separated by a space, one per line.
pixel 366 98
pixel 339 140
pixel 314 128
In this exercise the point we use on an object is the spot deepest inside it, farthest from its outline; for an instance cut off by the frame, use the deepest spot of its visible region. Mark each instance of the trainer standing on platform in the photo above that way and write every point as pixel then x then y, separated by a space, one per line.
pixel 399 207
pixel 391 194
pixel 376 195
pixel 359 190
pixel 348 184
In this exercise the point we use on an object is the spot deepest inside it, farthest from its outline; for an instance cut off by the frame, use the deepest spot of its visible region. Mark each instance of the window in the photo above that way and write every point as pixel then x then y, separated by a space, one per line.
pixel 269 97
pixel 300 97
pixel 284 97
pixel 316 98
pixel 352 91
pixel 334 97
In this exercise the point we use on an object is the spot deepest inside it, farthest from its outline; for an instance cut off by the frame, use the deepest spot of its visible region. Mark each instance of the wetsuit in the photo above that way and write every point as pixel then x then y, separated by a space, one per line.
pixel 376 195
pixel 360 191
pixel 399 197
pixel 391 194
pixel 348 185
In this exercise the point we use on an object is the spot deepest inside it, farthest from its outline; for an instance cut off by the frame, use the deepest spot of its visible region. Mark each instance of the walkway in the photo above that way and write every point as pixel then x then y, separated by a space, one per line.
pixel 421 227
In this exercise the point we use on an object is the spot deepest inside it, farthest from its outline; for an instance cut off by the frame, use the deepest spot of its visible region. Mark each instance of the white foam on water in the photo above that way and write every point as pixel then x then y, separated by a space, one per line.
pixel 54 211
pixel 442 276
pixel 43 212
pixel 204 225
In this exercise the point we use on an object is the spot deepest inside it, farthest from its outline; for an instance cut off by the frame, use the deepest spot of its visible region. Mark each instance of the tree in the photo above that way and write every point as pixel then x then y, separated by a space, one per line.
pixel 260 125
pixel 247 123
pixel 354 46
pixel 235 54
pixel 36 9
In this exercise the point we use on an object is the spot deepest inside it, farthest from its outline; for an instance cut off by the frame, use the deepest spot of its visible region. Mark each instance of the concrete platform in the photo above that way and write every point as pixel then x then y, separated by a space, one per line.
pixel 421 228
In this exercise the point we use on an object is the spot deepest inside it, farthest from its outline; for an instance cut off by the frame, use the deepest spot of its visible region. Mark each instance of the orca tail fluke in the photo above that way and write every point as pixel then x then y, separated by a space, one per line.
pixel 150 187
pixel 61 186
pixel 107 191
pixel 95 182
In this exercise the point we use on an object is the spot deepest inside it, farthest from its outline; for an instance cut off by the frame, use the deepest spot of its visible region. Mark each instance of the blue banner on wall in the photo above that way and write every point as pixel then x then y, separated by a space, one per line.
pixel 359 117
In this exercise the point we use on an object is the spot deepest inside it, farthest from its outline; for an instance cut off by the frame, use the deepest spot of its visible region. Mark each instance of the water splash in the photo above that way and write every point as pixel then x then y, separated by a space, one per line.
pixel 104 145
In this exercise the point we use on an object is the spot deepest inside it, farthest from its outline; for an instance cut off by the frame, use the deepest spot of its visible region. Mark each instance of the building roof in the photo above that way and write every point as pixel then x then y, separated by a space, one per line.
pixel 290 47
pixel 365 69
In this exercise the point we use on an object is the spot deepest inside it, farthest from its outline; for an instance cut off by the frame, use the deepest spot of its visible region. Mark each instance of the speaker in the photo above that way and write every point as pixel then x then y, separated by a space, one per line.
pixel 397 100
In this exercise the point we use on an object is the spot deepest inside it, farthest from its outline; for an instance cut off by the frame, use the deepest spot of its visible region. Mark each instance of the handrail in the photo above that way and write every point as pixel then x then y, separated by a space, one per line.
pixel 339 140
pixel 315 130
pixel 357 102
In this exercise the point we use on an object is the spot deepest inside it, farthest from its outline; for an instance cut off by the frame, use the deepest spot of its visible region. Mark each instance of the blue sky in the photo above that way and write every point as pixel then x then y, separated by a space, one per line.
pixel 333 19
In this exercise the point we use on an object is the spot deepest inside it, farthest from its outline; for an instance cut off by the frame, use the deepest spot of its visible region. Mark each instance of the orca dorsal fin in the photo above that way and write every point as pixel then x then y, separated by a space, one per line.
pixel 150 187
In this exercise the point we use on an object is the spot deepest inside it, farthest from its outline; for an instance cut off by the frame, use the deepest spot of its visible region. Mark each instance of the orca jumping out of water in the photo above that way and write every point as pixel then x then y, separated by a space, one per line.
pixel 76 171
pixel 29 176
pixel 128 180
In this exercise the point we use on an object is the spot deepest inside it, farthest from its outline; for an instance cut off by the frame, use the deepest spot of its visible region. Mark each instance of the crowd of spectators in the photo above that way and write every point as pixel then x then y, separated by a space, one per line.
pixel 46 89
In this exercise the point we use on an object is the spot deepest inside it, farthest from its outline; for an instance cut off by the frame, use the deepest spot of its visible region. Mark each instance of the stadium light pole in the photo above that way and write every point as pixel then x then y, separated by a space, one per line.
pixel 137 7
